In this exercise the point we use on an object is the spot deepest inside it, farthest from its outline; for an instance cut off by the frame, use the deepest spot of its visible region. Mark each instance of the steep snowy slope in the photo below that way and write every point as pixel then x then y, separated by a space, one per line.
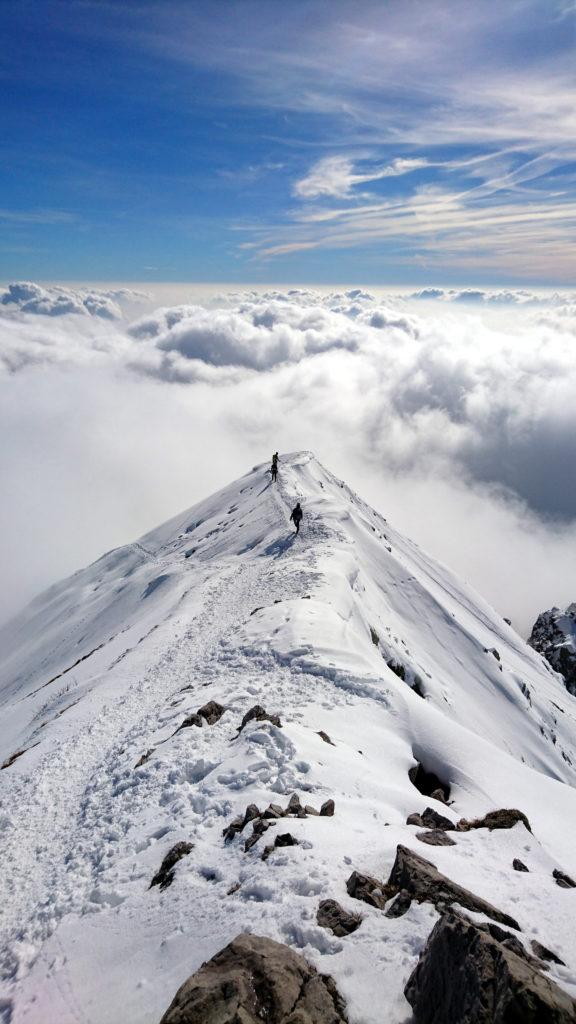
pixel 348 629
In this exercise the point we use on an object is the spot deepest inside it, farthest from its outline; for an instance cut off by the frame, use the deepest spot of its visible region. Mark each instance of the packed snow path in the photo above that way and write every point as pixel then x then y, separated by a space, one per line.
pixel 224 603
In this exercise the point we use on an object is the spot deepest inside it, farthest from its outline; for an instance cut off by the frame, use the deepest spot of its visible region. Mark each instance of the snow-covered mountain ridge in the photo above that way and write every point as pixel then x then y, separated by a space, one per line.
pixel 348 629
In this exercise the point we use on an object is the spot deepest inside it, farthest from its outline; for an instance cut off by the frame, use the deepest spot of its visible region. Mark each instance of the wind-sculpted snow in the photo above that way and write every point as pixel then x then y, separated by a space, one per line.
pixel 368 658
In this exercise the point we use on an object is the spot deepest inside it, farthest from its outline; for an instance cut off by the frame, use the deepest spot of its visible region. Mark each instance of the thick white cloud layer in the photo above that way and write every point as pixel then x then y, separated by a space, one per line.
pixel 461 427
pixel 27 297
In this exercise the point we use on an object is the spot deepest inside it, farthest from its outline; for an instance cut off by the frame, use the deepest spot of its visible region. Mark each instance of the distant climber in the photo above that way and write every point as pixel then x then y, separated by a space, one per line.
pixel 274 469
pixel 296 516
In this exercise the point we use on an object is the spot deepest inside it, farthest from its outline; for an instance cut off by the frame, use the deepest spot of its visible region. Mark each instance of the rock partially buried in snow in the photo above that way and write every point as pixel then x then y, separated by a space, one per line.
pixel 543 953
pixel 519 865
pixel 286 839
pixel 465 976
pixel 369 890
pixel 252 980
pixel 332 916
pixel 505 818
pixel 165 876
pixel 210 713
pixel 564 881
pixel 327 809
pixel 259 714
pixel 425 883
pixel 435 837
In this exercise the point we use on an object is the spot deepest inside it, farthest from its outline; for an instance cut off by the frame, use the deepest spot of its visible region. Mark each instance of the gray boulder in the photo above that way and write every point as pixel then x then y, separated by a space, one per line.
pixel 465 976
pixel 254 980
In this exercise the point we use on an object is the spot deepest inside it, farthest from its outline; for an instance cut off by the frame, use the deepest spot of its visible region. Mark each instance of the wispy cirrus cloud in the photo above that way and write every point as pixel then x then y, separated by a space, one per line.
pixel 336 177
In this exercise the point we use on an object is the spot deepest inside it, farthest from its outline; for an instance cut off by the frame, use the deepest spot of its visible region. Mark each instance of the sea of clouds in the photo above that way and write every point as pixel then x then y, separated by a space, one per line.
pixel 452 411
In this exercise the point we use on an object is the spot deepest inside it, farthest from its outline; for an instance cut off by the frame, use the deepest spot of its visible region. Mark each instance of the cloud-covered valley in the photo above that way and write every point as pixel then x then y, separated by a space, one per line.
pixel 458 425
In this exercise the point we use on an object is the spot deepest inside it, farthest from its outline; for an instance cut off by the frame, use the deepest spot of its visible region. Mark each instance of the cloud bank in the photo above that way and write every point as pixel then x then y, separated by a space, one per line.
pixel 460 427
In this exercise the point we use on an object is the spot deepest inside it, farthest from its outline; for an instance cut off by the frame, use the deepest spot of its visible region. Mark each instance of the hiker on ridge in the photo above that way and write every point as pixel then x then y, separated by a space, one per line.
pixel 274 470
pixel 296 516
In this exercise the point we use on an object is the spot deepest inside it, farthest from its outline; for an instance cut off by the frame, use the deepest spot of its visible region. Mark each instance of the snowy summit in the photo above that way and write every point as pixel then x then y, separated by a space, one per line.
pixel 247 718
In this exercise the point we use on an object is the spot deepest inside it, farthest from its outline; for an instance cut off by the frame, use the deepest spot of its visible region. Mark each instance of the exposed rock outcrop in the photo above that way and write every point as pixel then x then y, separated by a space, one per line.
pixel 253 980
pixel 422 880
pixel 428 783
pixel 554 636
pixel 563 880
pixel 259 714
pixel 369 890
pixel 165 875
pixel 465 976
pixel 505 818
pixel 209 714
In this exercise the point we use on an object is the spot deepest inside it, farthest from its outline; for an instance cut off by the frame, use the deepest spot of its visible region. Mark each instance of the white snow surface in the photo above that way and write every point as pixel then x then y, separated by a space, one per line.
pixel 224 603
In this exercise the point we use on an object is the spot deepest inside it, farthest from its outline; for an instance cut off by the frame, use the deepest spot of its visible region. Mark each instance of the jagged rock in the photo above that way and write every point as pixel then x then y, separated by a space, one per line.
pixel 165 876
pixel 191 720
pixel 519 865
pixel 369 890
pixel 337 920
pixel 311 810
pixel 273 811
pixel 260 826
pixel 543 953
pixel 492 650
pixel 324 736
pixel 465 976
pixel 400 905
pixel 211 712
pixel 428 783
pixel 259 714
pixel 327 809
pixel 239 824
pixel 554 636
pixel 435 837
pixel 294 804
pixel 142 760
pixel 286 839
pixel 563 880
pixel 425 883
pixel 505 818
pixel 512 942
pixel 432 819
pixel 252 980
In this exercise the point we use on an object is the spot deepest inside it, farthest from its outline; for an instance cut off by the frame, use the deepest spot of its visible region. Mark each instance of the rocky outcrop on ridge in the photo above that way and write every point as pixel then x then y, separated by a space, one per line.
pixel 253 980
pixel 466 976
pixel 554 636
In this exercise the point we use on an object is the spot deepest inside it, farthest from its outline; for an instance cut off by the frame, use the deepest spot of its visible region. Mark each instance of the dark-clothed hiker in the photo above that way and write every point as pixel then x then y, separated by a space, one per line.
pixel 296 516
pixel 274 470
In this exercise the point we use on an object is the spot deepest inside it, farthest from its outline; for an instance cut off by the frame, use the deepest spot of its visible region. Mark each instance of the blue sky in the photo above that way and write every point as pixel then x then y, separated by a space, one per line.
pixel 408 141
